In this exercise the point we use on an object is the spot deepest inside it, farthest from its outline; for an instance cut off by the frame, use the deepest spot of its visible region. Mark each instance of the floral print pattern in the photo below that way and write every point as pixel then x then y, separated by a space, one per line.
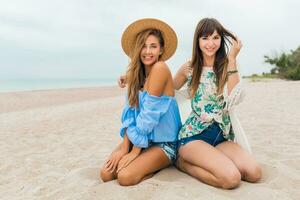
pixel 207 108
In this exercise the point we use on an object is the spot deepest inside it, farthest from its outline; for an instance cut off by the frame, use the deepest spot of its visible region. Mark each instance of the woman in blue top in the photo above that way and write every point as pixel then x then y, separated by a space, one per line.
pixel 150 119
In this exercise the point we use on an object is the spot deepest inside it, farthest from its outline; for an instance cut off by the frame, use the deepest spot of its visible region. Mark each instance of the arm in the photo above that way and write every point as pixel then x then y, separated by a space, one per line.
pixel 121 150
pixel 181 75
pixel 124 145
pixel 233 92
pixel 233 79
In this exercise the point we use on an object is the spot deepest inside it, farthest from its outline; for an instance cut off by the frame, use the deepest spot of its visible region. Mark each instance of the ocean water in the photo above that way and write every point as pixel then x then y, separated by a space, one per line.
pixel 12 85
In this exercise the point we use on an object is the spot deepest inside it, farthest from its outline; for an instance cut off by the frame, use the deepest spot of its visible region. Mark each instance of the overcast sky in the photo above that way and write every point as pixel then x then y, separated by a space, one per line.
pixel 81 38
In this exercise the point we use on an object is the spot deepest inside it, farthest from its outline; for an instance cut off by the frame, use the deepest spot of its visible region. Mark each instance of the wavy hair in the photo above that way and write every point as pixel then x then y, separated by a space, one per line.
pixel 136 73
pixel 206 27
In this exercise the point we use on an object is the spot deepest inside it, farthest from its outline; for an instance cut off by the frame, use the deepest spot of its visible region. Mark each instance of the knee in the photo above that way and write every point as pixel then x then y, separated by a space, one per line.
pixel 254 174
pixel 230 180
pixel 126 178
pixel 106 176
pixel 180 164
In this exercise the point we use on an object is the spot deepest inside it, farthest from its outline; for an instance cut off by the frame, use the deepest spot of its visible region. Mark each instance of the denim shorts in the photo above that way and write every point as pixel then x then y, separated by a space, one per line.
pixel 212 135
pixel 170 149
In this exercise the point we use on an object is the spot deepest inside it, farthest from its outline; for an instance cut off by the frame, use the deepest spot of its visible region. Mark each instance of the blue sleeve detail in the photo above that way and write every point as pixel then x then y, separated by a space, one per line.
pixel 128 118
pixel 152 109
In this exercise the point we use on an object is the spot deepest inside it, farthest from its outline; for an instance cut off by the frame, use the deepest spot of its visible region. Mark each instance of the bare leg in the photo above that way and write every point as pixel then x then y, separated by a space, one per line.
pixel 245 162
pixel 196 172
pixel 107 176
pixel 208 164
pixel 143 167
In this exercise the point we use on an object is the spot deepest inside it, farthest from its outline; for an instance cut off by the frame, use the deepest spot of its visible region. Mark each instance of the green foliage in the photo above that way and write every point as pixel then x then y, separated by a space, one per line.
pixel 287 65
pixel 261 77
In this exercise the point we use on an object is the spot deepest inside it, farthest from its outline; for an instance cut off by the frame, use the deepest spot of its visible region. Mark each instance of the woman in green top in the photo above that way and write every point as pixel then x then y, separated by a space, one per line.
pixel 206 148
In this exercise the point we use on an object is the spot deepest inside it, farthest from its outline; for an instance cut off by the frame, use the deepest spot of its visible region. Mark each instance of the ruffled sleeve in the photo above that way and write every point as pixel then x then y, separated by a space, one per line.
pixel 128 118
pixel 235 97
pixel 152 109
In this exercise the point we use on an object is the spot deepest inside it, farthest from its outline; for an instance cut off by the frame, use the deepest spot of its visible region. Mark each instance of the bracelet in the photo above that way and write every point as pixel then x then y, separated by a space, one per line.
pixel 231 72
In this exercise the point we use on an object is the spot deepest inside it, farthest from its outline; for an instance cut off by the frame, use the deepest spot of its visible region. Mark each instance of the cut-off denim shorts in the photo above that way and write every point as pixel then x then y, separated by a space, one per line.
pixel 169 148
pixel 212 135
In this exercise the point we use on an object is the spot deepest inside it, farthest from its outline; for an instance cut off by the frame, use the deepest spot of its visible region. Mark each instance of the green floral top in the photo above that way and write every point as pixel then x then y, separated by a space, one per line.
pixel 207 108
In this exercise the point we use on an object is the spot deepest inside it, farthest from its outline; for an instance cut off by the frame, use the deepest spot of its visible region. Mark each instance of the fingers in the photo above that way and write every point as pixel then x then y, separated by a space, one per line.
pixel 121 164
pixel 121 82
pixel 124 162
pixel 117 162
pixel 235 42
pixel 187 69
pixel 108 165
pixel 238 42
pixel 111 167
pixel 108 161
pixel 127 163
pixel 111 163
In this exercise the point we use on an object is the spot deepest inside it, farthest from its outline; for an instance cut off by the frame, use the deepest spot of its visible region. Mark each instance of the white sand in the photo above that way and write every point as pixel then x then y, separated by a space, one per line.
pixel 52 144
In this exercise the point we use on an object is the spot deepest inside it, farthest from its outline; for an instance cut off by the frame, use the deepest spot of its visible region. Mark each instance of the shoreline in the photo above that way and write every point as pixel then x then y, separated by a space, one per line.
pixel 23 100
pixel 22 85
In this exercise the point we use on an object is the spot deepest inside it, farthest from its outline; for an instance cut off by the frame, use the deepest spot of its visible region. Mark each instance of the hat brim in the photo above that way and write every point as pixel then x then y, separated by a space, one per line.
pixel 170 39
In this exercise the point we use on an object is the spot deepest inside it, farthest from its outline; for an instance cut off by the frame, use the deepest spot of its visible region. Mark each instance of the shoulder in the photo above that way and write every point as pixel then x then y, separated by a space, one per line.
pixel 158 78
pixel 160 68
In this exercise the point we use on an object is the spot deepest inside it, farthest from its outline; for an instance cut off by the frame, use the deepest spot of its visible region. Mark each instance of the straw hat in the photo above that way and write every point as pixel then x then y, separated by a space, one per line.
pixel 169 35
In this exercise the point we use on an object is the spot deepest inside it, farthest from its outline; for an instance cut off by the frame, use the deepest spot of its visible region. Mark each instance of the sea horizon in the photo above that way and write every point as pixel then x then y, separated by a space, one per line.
pixel 27 84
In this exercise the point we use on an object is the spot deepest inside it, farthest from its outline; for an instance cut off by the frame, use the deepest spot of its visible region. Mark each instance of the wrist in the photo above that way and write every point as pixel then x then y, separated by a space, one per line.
pixel 125 146
pixel 126 142
pixel 230 72
pixel 232 66
pixel 232 60
pixel 230 69
pixel 136 150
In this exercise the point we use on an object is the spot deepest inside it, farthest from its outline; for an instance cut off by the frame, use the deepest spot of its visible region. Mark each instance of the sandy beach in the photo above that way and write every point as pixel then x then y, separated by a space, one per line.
pixel 54 142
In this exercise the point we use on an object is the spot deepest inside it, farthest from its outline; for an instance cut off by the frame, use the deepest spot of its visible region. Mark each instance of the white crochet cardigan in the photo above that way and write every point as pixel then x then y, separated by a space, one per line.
pixel 236 96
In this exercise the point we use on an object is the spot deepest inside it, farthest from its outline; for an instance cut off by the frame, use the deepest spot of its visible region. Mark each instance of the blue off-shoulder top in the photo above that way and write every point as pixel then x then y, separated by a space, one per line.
pixel 157 119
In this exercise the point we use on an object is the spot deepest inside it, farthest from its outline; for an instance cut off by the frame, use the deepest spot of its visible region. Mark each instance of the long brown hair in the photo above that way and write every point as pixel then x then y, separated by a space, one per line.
pixel 136 73
pixel 206 27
